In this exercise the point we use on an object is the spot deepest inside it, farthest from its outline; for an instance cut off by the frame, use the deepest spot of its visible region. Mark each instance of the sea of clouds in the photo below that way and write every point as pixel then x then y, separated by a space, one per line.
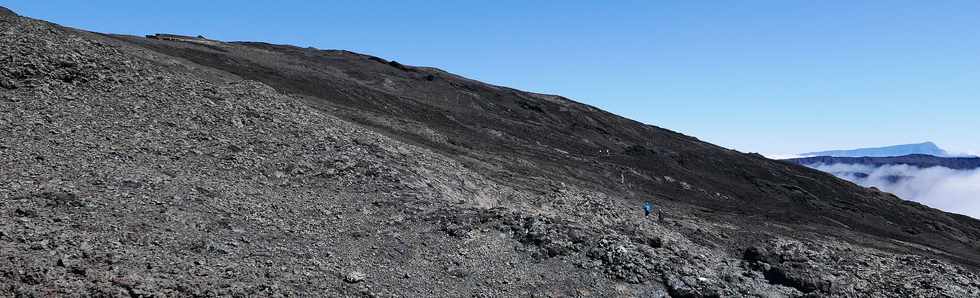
pixel 956 191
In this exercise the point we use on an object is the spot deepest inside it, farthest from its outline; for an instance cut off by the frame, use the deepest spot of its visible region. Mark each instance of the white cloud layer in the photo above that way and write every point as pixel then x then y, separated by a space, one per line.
pixel 956 191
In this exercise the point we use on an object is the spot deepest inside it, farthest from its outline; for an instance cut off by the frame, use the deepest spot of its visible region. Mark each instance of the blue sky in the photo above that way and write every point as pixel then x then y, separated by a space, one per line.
pixel 775 77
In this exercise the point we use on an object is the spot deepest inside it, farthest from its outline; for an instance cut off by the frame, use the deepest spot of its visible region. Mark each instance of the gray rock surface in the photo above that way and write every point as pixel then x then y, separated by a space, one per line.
pixel 123 178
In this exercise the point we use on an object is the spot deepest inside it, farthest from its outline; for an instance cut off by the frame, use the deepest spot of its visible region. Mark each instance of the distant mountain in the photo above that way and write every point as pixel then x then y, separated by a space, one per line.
pixel 861 169
pixel 183 166
pixel 927 148
pixel 918 160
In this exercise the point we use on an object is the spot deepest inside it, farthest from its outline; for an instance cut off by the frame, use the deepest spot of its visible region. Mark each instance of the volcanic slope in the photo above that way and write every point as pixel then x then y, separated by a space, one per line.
pixel 135 167
pixel 532 142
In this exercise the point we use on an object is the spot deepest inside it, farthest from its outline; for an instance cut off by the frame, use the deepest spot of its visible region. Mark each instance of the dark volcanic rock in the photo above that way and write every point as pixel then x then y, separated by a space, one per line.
pixel 155 167
pixel 533 141
pixel 7 12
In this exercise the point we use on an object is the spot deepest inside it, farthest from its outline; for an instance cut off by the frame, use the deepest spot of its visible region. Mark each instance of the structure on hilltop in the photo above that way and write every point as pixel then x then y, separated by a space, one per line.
pixel 183 38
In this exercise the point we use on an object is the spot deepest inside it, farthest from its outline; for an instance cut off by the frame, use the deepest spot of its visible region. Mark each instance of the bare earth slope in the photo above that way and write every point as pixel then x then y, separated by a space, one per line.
pixel 136 167
pixel 529 140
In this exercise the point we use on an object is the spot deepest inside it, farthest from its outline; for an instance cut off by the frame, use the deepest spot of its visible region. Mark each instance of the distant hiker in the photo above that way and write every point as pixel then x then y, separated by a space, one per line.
pixel 648 208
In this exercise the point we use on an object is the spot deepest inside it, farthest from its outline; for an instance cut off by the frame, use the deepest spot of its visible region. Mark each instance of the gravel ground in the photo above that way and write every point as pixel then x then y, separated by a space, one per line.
pixel 121 178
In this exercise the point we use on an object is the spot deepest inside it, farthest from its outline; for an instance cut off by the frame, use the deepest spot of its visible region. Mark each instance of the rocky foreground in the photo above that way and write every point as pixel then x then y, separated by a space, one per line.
pixel 124 178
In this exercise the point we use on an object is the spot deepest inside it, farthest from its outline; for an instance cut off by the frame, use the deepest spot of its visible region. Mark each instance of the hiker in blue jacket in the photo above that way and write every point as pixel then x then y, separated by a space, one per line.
pixel 648 208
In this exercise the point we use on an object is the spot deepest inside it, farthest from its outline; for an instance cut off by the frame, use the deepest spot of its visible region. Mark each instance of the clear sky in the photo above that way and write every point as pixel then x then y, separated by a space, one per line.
pixel 775 77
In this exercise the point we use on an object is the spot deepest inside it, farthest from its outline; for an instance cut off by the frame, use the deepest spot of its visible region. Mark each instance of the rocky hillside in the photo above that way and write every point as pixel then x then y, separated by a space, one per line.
pixel 531 141
pixel 141 167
